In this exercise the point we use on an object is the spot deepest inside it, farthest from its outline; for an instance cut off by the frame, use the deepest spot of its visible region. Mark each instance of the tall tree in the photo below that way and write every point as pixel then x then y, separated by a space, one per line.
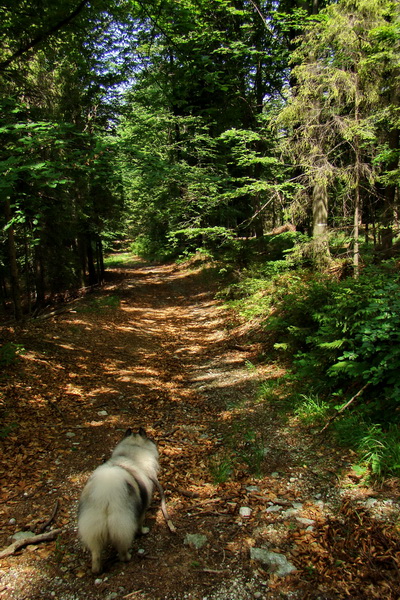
pixel 336 106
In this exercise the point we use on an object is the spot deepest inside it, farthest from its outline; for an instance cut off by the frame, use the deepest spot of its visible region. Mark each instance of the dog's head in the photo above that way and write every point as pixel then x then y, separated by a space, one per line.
pixel 140 439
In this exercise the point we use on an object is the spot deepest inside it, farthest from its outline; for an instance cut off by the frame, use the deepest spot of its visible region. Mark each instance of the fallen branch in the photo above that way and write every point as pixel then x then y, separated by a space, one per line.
pixel 343 408
pixel 215 571
pixel 36 539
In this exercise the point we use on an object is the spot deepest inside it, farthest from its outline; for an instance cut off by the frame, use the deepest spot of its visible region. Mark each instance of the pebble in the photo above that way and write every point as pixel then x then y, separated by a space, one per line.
pixel 21 535
pixel 305 521
pixel 102 413
pixel 70 434
pixel 274 508
pixel 275 474
pixel 277 563
pixel 12 521
pixel 370 502
pixel 245 511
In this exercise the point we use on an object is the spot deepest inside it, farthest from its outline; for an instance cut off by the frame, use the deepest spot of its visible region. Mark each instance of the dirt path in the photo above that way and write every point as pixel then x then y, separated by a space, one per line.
pixel 152 349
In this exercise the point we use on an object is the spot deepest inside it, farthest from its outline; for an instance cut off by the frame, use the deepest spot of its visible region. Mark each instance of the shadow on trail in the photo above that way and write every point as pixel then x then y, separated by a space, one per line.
pixel 151 349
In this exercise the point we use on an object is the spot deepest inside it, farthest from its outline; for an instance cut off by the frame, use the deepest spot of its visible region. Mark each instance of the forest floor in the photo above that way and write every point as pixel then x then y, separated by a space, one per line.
pixel 153 348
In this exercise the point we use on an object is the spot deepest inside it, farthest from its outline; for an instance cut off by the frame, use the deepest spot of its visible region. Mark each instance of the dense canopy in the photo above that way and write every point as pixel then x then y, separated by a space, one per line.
pixel 186 123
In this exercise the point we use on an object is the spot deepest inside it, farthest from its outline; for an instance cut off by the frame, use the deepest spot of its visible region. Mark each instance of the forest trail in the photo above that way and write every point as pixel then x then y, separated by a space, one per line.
pixel 154 349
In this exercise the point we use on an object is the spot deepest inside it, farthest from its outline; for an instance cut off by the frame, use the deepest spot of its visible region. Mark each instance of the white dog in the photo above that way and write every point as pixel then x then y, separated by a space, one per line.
pixel 114 501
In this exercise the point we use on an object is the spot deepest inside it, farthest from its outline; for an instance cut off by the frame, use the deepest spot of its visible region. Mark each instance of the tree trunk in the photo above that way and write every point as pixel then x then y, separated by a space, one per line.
pixel 320 222
pixel 12 254
pixel 39 276
pixel 90 260
pixel 356 248
pixel 390 195
pixel 100 260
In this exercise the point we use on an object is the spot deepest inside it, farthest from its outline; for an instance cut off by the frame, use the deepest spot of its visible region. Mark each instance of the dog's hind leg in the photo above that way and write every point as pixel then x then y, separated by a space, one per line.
pixel 96 562
pixel 124 555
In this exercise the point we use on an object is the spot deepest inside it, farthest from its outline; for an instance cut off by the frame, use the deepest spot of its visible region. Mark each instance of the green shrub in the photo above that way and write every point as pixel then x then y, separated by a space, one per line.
pixel 9 353
pixel 345 334
pixel 312 410
pixel 151 249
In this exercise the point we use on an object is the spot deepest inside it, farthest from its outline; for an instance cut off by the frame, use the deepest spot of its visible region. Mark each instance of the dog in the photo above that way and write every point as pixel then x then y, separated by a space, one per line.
pixel 114 501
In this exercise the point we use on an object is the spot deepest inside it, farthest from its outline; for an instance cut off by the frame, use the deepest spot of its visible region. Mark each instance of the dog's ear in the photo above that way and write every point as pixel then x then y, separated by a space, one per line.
pixel 128 432
pixel 142 433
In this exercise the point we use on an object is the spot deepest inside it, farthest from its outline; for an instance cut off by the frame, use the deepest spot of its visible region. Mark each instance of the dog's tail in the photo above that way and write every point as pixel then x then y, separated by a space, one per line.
pixel 104 515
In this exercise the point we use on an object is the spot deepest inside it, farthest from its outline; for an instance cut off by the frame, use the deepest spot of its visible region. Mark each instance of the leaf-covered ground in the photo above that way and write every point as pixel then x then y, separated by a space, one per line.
pixel 153 348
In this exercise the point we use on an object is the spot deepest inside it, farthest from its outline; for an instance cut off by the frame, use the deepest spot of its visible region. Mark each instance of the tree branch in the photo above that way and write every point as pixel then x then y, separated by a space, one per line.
pixel 338 412
pixel 42 36
pixel 36 539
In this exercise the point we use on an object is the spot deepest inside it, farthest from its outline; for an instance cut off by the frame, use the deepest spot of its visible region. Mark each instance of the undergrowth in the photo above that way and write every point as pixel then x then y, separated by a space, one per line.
pixel 342 338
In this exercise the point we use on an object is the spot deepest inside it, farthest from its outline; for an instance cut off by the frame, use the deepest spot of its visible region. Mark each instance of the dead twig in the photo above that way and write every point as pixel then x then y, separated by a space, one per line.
pixel 36 539
pixel 49 520
pixel 215 571
pixel 339 412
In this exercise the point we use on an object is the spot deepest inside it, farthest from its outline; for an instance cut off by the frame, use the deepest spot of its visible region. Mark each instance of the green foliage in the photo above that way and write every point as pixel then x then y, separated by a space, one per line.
pixel 121 260
pixel 151 249
pixel 98 304
pixel 221 468
pixel 7 429
pixel 378 448
pixel 9 353
pixel 251 451
pixel 312 410
pixel 344 334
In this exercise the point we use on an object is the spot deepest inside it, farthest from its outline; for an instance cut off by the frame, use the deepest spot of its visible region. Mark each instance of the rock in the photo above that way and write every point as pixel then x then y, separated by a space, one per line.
pixel 197 540
pixel 290 512
pixel 252 488
pixel 70 434
pixel 273 508
pixel 305 521
pixel 12 521
pixel 370 502
pixel 21 535
pixel 275 475
pixel 245 511
pixel 102 413
pixel 276 563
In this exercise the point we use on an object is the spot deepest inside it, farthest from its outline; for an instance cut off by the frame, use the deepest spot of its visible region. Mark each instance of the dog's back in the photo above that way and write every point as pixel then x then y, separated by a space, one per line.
pixel 114 500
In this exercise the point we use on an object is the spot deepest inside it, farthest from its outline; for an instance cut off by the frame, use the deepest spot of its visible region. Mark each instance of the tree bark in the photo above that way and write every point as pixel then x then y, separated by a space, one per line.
pixel 320 222
pixel 12 255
